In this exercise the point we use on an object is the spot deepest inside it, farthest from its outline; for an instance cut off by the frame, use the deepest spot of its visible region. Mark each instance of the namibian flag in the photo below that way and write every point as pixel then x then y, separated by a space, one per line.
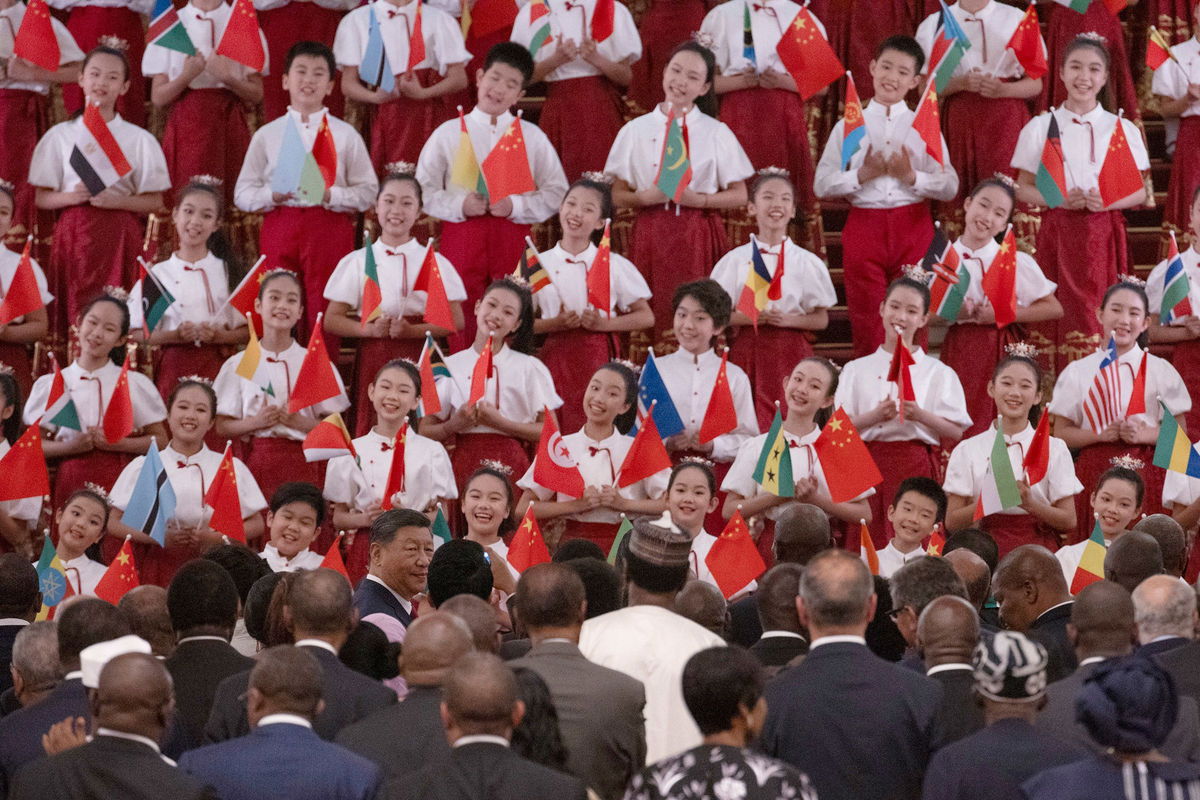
pixel 774 469
pixel 97 158
pixel 1091 563
pixel 372 297
pixel 675 163
pixel 1051 178
pixel 1174 451
pixel 166 29
pixel 758 281
pixel 854 127
pixel 1176 287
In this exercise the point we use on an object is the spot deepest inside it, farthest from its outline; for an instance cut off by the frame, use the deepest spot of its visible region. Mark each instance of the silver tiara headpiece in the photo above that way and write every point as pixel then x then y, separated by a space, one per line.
pixel 207 180
pixel 498 466
pixel 195 379
pixel 397 169
pixel 1131 280
pixel 699 461
pixel 1021 350
pixel 117 293
pixel 1128 462
pixel 774 172
pixel 1094 36
pixel 598 177
pixel 914 272
pixel 115 42
pixel 1007 180
pixel 99 491
pixel 704 39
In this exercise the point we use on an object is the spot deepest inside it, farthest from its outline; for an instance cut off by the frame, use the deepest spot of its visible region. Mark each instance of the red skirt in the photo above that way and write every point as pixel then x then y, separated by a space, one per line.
pixel 897 461
pixel 1093 461
pixel 482 249
pixel 400 127
pixel 1186 359
pixel 16 356
pixel 572 358
pixel 1083 253
pixel 283 27
pixel 24 117
pixel 973 351
pixel 1013 530
pixel 370 354
pixel 672 246
pixel 768 355
pixel 222 148
pixel 93 248
pixel 582 146
pixel 101 467
pixel 175 361
pixel 1063 27
pixel 87 24
pixel 981 134
pixel 770 125
pixel 274 461
pixel 602 533
pixel 158 565
pixel 1185 176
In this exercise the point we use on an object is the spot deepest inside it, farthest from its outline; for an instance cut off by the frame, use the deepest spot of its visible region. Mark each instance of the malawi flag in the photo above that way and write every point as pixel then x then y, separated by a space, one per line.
pixel 1091 562
pixel 1000 281
pixel 674 163
pixel 242 40
pixel 1177 288
pixel 35 40
pixel 807 56
pixel 22 295
pixel 999 491
pixel 599 275
pixel 950 276
pixel 1026 44
pixel 96 157
pixel 1051 178
pixel 166 29
pixel 1119 175
pixel 506 169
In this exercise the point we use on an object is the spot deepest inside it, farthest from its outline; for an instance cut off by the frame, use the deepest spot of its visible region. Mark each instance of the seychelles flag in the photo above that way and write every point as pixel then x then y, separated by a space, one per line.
pixel 97 158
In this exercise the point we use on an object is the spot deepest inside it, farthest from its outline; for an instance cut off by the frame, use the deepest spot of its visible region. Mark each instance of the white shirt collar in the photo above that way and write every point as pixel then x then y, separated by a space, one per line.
pixel 133 737
pixel 313 119
pixel 169 453
pixel 689 117
pixel 882 109
pixel 838 639
pixel 9 622
pixel 286 719
pixel 948 668
pixel 321 643
pixel 983 13
pixel 73 675
pixel 483 118
pixel 1091 660
pixel 407 604
pixel 782 635
pixel 1051 608
pixel 587 255
pixel 202 639
pixel 1092 116
pixel 480 738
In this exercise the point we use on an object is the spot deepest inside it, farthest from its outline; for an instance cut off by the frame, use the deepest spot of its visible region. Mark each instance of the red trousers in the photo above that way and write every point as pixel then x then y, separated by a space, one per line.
pixel 482 249
pixel 222 148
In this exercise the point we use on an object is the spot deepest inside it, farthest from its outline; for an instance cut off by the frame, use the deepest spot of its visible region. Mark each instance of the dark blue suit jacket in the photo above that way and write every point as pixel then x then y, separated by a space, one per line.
pixel 373 598
pixel 284 761
pixel 21 731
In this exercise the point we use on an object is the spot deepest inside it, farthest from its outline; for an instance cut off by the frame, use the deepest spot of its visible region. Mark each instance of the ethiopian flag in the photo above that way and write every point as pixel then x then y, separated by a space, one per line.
pixel 774 470
pixel 674 165
pixel 52 580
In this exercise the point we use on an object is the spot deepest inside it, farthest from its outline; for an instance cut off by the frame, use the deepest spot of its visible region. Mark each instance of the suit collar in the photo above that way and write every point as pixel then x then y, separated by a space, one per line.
pixel 840 642
pixel 283 723
pixel 380 591
pixel 1060 611
pixel 558 647
pixel 481 740
pixel 319 644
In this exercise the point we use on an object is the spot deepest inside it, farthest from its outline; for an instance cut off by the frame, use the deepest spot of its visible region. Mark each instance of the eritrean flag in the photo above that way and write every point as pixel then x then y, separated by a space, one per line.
pixel 1051 178
pixel 854 127
pixel 97 158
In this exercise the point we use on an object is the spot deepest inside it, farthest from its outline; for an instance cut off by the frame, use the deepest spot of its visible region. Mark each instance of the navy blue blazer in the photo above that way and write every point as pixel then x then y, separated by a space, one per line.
pixel 373 598
pixel 282 761
pixel 21 731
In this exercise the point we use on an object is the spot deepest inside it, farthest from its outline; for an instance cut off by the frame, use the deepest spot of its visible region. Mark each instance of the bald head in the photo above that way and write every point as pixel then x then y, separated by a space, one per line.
pixel 1028 581
pixel 837 594
pixel 801 531
pixel 1102 621
pixel 479 616
pixel 947 631
pixel 1163 605
pixel 1171 541
pixel 134 696
pixel 551 596
pixel 480 696
pixel 319 604
pixel 704 605
pixel 145 608
pixel 285 680
pixel 432 644
pixel 974 573
pixel 1131 558
pixel 776 598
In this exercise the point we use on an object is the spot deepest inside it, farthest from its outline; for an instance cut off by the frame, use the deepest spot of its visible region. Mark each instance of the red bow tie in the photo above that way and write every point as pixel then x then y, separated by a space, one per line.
pixel 384 447
pixel 181 464
pixel 391 13
pixel 387 252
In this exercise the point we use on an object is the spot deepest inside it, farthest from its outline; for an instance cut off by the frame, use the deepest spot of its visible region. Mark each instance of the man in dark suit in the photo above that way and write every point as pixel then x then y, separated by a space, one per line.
pixel 84 622
pixel 131 708
pixel 1103 628
pixel 1172 542
pixel 480 708
pixel 599 709
pixel 1033 597
pixel 1164 608
pixel 1132 558
pixel 401 548
pixel 203 602
pixel 828 715
pixel 20 599
pixel 319 613
pixel 282 756
pixel 947 633
pixel 35 667
pixel 782 637
pixel 408 736
pixel 976 577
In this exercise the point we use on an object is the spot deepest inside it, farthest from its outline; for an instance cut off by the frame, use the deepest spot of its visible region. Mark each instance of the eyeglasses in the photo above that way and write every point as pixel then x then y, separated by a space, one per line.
pixel 896 612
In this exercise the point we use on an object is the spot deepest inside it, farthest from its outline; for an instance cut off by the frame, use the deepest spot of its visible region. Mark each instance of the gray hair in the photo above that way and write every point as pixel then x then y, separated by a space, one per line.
pixel 922 580
pixel 836 588
pixel 1164 607
pixel 35 655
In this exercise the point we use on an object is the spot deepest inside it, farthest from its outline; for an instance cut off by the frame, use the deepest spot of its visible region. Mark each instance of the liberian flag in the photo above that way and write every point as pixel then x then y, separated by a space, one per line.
pixel 1102 406
pixel 97 158
pixel 60 408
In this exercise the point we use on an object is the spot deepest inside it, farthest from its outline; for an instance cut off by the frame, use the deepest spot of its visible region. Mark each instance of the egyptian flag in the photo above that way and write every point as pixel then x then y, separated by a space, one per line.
pixel 97 158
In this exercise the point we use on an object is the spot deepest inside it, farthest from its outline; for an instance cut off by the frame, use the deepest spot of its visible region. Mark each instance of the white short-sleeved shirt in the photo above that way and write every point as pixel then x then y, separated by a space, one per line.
pixel 332 5
pixel 27 509
pixel 1173 77
pixel 143 7
pixel 8 270
pixel 968 468
pixel 599 464
pixel 864 385
pixel 68 49
pixel 200 291
pixel 91 393
pixel 444 200
pixel 398 268
pixel 572 21
pixel 305 559
pixel 702 543
pixel 805 464
pixel 891 559
pixel 354 183
pixel 1080 142
pixel 1179 489
pixel 568 282
pixel 50 167
pixel 1032 284
pixel 768 21
pixel 690 379
pixel 989 30
pixel 520 386
pixel 191 476
pixel 888 129
pixel 1154 284
pixel 83 574
pixel 1069 557
pixel 205 29
pixel 1162 382
pixel 444 45
pixel 238 398
pixel 427 473
pixel 717 158
pixel 806 282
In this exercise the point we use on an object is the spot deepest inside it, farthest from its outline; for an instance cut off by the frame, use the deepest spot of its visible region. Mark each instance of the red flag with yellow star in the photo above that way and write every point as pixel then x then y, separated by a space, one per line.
pixel 242 41
pixel 118 415
pixel 937 541
pixel 416 41
pixel 222 497
pixel 35 40
pixel 807 56
pixel 1026 44
pixel 506 169
pixel 528 548
pixel 1000 281
pixel 734 559
pixel 317 380
pixel 395 478
pixel 928 124
pixel 647 455
pixel 324 152
pixel 847 464
pixel 24 467
pixel 721 416
pixel 1119 175
pixel 437 302
pixel 333 558
pixel 120 577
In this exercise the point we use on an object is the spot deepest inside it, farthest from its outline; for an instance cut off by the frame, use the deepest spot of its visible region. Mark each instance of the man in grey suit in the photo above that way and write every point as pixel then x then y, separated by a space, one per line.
pixel 599 709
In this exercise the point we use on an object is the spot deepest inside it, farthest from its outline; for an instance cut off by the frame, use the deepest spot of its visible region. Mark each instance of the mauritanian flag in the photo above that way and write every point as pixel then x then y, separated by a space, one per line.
pixel 253 366
pixel 999 490
pixel 97 158
pixel 674 163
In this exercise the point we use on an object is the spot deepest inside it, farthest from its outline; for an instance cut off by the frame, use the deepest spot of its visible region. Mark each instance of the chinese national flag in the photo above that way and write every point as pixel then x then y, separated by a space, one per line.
pixel 553 465
pixel 866 549
pixel 333 558
pixel 1037 457
pixel 928 124
pixel 1137 395
pixel 647 455
pixel 416 41
pixel 506 169
pixel 900 373
pixel 599 276
pixel 528 548
pixel 807 56
pixel 24 467
pixel 847 464
pixel 222 497
pixel 489 16
pixel 35 40
pixel 242 41
pixel 734 559
pixel 480 373
pixel 720 417
pixel 120 577
pixel 936 542
pixel 437 302
pixel 244 295
pixel 1000 281
pixel 1026 44
pixel 1119 175
pixel 324 152
pixel 118 417
pixel 603 19
pixel 22 295
pixel 317 380
pixel 395 478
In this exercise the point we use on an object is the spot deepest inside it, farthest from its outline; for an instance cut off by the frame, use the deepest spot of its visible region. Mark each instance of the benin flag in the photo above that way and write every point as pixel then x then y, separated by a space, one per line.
pixel 1051 178
pixel 674 163
pixel 999 491
pixel 372 296
pixel 774 469
pixel 1091 563
pixel 1174 451
pixel 464 169
pixel 253 364
pixel 1158 49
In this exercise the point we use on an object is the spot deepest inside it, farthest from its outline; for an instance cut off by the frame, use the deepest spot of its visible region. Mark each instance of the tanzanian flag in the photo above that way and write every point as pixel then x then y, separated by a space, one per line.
pixel 774 470
pixel 166 29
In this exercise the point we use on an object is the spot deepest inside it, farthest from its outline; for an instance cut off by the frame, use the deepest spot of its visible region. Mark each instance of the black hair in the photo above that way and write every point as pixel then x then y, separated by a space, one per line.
pixel 903 44
pixel 655 578
pixel 513 55
pixel 413 372
pixel 299 492
pixel 1104 97
pixel 7 188
pixel 85 622
pixel 601 584
pixel 1035 411
pixel 19 586
pixel 905 282
pixel 459 566
pixel 704 468
pixel 258 603
pixel 521 340
pixel 926 487
pixel 218 241
pixel 202 595
pixel 105 50
pixel 1144 337
pixel 117 354
pixel 718 683
pixel 1004 186
pixel 706 102
pixel 577 548
pixel 401 176
pixel 243 565
pixel 193 383
pixel 383 529
pixel 538 738
pixel 763 178
pixel 606 201
pixel 1126 474
pixel 624 421
pixel 12 427
pixel 308 48
pixel 507 525
pixel 280 273
pixel 91 494
pixel 368 652
pixel 711 297
pixel 823 414
pixel 979 542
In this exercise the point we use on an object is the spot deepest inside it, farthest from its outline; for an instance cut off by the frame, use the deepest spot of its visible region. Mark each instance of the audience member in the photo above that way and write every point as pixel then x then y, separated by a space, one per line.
pixel 20 599
pixel 35 668
pixel 1172 541
pixel 947 634
pixel 1033 599
pixel 145 609
pixel 703 604
pixel 782 639
pixel 1131 558
pixel 1164 609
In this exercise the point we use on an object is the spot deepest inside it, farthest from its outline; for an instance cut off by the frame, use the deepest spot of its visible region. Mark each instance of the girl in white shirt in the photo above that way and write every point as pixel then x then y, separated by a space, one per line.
pixel 599 448
pixel 487 508
pixel 1114 506
pixel 1047 509
pixel 16 336
pixel 18 518
pixel 200 330
pixel 580 338
pixel 1174 87
pixel 1182 330
pixel 80 523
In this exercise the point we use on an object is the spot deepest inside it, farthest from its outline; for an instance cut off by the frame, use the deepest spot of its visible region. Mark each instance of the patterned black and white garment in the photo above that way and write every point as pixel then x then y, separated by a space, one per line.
pixel 720 772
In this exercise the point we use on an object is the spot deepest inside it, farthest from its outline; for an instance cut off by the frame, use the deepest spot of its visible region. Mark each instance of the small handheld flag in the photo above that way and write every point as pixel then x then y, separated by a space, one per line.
pixel 541 33
pixel 1120 177
pixel 222 497
pixel 396 470
pixel 333 558
pixel 720 417
pixel 1102 405
pixel 854 127
pixel 1158 49
pixel 622 531
pixel 553 466
pixel 599 276
pixel 653 397
pixel 480 373
pixel 437 303
pixel 52 580
pixel 97 158
pixel 674 162
pixel 866 547
pixel 647 456
pixel 464 168
pixel 506 169
pixel 1000 491
pixel 1137 395
pixel 528 547
pixel 152 503
pixel 951 279
pixel 317 380
pixel 118 416
pixel 774 469
pixel 242 40
pixel 167 30
pixel 324 153
pixel 928 124
pixel 847 463
pixel 24 467
pixel 440 528
pixel 1091 561
pixel 22 295
pixel 120 577
pixel 432 366
pixel 155 299
pixel 329 439
pixel 1037 457
pixel 1000 281
pixel 733 559
pixel 1026 44
pixel 1177 288
pixel 807 55
pixel 753 299
pixel 530 269
pixel 253 365
pixel 950 44
pixel 603 20
pixel 416 41
pixel 60 407
pixel 900 373
pixel 1051 178
pixel 35 40
pixel 374 70
pixel 296 170
pixel 1173 450
pixel 372 297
